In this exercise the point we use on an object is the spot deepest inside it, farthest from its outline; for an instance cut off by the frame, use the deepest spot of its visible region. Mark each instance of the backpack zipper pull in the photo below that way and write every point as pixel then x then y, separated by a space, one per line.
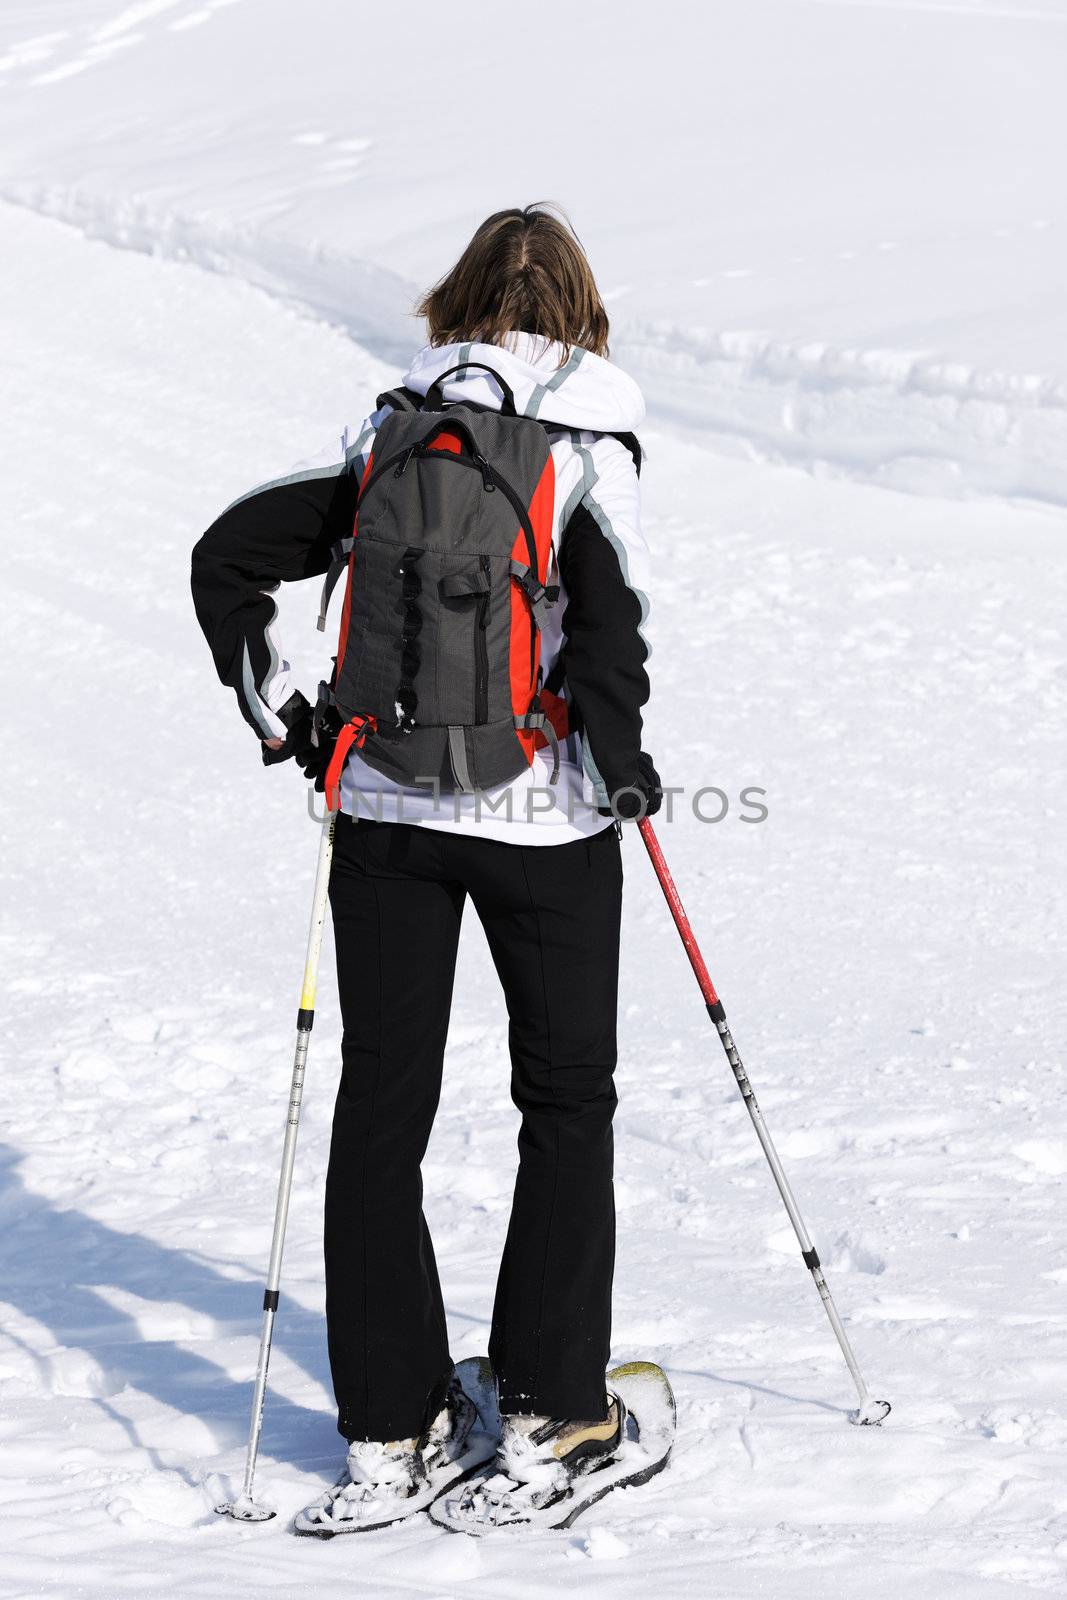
pixel 402 464
pixel 487 474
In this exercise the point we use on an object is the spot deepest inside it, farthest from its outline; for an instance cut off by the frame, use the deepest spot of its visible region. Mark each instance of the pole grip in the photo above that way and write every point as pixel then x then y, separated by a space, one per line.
pixel 681 921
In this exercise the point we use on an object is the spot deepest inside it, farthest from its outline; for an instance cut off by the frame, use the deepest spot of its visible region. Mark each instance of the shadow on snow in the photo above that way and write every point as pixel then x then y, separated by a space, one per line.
pixel 58 1266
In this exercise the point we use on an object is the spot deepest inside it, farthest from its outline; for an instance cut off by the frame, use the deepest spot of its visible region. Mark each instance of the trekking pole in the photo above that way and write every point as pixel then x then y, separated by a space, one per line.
pixel 244 1507
pixel 870 1411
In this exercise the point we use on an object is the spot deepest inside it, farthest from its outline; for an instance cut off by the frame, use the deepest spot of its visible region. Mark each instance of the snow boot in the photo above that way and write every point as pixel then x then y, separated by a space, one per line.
pixel 385 1482
pixel 546 1473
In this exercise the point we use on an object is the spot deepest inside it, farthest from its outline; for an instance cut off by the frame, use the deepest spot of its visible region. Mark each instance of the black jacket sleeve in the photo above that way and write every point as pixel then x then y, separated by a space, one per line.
pixel 277 534
pixel 604 652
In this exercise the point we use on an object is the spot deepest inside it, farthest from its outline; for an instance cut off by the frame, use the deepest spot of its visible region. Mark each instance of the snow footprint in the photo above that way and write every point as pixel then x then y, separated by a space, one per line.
pixel 599 1544
pixel 119 32
pixel 194 19
pixel 799 1143
pixel 1040 1430
pixel 31 52
pixel 848 1252
pixel 906 1308
pixel 74 1374
pixel 1047 1156
pixel 341 158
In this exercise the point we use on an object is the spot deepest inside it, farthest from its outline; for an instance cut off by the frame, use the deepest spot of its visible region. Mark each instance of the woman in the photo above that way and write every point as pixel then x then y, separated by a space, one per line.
pixel 541 863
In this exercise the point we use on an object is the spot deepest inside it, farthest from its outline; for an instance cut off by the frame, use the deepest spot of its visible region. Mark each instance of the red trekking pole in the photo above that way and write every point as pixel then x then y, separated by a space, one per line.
pixel 870 1411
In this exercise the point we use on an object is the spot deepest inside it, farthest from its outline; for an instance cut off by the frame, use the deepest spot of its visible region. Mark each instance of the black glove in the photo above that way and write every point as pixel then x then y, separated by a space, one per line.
pixel 311 752
pixel 641 798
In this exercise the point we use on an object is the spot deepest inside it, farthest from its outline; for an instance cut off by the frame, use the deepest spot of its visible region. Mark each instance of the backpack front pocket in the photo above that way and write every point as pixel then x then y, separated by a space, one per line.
pixel 465 591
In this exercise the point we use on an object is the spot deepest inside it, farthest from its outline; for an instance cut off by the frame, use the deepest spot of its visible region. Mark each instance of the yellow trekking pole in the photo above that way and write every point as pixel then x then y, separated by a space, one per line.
pixel 244 1507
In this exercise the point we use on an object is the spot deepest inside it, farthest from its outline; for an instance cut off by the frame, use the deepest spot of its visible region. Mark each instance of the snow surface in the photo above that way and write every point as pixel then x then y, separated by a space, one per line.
pixel 890 667
pixel 830 231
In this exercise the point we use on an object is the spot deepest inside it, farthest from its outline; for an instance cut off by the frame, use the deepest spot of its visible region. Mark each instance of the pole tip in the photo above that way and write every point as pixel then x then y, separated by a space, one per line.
pixel 870 1415
pixel 244 1510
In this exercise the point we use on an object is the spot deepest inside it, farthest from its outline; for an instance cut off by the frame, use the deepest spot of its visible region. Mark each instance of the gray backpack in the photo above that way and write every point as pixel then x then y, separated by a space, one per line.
pixel 437 677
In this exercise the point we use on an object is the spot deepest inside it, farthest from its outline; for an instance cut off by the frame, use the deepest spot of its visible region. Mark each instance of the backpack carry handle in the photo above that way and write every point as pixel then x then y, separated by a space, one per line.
pixel 435 397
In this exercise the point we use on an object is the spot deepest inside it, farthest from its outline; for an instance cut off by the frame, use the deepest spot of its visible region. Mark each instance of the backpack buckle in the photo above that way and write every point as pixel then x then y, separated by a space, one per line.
pixel 542 596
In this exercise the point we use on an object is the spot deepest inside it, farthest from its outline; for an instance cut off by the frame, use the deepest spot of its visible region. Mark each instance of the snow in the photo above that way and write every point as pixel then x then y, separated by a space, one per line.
pixel 888 666
pixel 833 232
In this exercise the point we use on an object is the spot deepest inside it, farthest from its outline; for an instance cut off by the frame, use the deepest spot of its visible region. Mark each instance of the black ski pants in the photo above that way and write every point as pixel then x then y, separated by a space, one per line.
pixel 551 915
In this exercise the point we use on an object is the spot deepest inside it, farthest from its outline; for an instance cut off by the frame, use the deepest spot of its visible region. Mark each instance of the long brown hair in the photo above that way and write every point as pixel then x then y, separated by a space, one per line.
pixel 524 271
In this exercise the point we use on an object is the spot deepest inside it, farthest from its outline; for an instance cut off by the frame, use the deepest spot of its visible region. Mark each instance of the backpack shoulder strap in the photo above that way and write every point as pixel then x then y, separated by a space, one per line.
pixel 630 440
pixel 400 399
pixel 633 444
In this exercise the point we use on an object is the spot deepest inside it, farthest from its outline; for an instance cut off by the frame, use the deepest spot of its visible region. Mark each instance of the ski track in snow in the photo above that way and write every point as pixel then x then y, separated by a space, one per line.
pixel 848 254
pixel 890 669
pixel 893 417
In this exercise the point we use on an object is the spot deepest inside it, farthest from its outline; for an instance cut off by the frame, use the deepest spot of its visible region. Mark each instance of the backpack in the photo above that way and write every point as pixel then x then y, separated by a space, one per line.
pixel 437 678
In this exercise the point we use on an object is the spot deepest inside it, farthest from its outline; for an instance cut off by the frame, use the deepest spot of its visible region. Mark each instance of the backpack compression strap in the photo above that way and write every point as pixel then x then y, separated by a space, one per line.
pixel 537 720
pixel 407 698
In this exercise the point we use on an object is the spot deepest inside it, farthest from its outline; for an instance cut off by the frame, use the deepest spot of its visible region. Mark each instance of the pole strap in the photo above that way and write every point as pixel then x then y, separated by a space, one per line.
pixel 353 734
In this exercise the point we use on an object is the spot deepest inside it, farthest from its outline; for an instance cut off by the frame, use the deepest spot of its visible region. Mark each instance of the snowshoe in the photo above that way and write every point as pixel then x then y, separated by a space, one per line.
pixel 385 1483
pixel 547 1477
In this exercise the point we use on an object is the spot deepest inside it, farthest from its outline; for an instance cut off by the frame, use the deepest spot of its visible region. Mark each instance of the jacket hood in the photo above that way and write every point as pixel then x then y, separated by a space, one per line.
pixel 587 391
